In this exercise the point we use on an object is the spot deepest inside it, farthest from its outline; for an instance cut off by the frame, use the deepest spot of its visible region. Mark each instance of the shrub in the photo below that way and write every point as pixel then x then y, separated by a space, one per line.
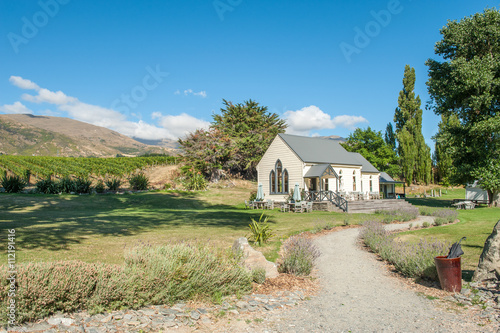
pixel 261 231
pixel 253 196
pixel 13 184
pixel 139 182
pixel 426 224
pixel 449 215
pixel 411 259
pixel 259 275
pixel 99 188
pixel 181 272
pixel 194 181
pixel 402 214
pixel 83 185
pixel 299 255
pixel 67 185
pixel 47 186
pixel 150 276
pixel 439 221
pixel 113 184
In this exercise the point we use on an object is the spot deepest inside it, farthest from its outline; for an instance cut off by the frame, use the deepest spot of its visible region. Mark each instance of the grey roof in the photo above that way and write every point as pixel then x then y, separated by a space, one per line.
pixel 324 151
pixel 318 170
pixel 386 179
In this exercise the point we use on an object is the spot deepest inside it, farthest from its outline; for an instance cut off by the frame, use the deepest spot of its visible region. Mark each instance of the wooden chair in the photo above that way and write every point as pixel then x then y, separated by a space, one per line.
pixel 249 205
pixel 269 204
pixel 298 208
pixel 285 207
pixel 309 206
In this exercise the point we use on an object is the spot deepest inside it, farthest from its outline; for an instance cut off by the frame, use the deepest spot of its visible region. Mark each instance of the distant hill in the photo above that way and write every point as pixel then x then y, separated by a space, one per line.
pixel 24 134
pixel 335 138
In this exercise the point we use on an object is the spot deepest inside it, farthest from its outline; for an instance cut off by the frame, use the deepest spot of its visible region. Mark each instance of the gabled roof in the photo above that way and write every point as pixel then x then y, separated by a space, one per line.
pixel 320 170
pixel 324 151
pixel 386 179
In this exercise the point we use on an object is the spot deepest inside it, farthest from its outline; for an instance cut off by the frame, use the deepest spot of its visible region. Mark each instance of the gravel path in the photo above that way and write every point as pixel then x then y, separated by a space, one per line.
pixel 358 295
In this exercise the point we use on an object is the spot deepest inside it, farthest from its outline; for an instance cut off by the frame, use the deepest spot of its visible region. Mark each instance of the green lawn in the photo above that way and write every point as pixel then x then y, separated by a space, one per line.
pixel 100 227
pixel 476 225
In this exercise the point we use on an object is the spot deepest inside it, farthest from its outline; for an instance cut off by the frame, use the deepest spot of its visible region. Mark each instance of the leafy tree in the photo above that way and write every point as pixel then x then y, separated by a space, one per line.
pixel 235 142
pixel 466 85
pixel 390 137
pixel 371 145
pixel 443 151
pixel 414 154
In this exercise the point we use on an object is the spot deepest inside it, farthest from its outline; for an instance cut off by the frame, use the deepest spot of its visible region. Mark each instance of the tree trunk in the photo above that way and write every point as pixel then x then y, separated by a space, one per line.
pixel 494 199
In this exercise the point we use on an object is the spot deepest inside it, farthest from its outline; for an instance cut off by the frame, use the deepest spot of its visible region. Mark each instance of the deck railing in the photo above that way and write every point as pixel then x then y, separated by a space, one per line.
pixel 331 196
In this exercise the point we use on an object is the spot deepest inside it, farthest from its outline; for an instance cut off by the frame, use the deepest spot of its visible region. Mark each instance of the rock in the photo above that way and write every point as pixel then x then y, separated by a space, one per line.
pixel 67 321
pixel 489 262
pixel 54 321
pixel 252 259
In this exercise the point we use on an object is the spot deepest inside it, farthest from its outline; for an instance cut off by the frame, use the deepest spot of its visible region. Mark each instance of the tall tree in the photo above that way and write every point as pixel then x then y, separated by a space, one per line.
pixel 443 151
pixel 371 145
pixel 236 140
pixel 390 137
pixel 466 84
pixel 414 154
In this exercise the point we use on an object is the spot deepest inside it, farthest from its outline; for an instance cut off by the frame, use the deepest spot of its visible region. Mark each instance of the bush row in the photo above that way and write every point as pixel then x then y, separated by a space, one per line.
pixel 150 275
pixel 81 185
pixel 411 259
pixel 402 214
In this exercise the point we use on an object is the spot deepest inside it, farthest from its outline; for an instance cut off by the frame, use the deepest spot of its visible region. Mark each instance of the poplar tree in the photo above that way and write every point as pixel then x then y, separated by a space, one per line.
pixel 414 154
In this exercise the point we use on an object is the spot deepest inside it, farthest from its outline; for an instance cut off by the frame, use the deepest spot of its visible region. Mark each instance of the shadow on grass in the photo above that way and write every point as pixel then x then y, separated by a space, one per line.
pixel 54 222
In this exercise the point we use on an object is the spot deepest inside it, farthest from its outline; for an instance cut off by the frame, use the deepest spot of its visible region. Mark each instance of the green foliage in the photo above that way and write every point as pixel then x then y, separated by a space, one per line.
pixel 113 184
pixel 371 145
pixel 390 137
pixel 260 231
pixel 411 259
pixel 253 196
pixel 139 182
pixel 83 185
pixel 489 178
pixel 193 180
pixel 13 184
pixel 465 88
pixel 259 275
pixel 99 188
pixel 414 154
pixel 235 142
pixel 67 185
pixel 47 186
pixel 150 275
pixel 299 255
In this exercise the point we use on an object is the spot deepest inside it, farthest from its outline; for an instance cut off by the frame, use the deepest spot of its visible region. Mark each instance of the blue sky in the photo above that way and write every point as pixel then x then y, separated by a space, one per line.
pixel 157 69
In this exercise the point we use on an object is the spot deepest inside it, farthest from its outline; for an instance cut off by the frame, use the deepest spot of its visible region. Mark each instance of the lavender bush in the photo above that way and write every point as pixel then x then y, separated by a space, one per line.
pixel 411 259
pixel 151 275
pixel 401 214
pixel 299 255
pixel 448 215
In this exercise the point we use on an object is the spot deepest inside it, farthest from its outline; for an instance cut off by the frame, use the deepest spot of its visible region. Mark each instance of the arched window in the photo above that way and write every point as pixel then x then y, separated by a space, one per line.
pixel 354 180
pixel 279 176
pixel 285 181
pixel 371 184
pixel 272 181
pixel 278 179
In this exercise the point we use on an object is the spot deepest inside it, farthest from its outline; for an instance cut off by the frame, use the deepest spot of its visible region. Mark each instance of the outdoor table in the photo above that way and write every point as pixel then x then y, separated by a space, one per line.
pixel 260 204
pixel 464 205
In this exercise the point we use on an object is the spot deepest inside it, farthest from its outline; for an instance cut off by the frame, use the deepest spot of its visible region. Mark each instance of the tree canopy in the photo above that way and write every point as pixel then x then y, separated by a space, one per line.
pixel 414 154
pixel 465 84
pixel 235 141
pixel 372 146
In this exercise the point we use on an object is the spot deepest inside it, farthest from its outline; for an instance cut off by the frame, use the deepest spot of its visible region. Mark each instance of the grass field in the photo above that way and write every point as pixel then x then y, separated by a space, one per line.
pixel 100 227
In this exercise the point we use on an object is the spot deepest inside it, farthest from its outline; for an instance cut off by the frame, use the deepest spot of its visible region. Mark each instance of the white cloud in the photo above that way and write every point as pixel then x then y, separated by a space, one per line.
pixel 47 96
pixel 177 92
pixel 187 92
pixel 172 127
pixel 23 83
pixel 313 118
pixel 179 126
pixel 17 107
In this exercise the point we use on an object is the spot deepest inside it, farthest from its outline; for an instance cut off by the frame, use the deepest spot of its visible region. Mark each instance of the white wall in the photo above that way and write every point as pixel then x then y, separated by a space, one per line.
pixel 290 161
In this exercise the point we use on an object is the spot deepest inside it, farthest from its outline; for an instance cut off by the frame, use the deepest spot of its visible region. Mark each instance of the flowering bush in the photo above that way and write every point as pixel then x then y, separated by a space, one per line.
pixel 299 255
pixel 401 214
pixel 411 259
pixel 150 276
